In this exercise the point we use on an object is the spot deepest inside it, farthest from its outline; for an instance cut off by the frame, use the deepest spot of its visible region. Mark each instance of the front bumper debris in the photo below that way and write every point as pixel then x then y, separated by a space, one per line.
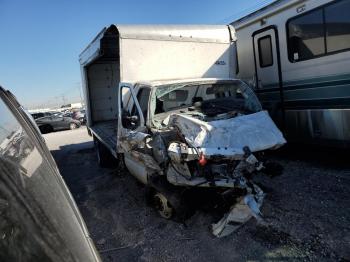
pixel 248 206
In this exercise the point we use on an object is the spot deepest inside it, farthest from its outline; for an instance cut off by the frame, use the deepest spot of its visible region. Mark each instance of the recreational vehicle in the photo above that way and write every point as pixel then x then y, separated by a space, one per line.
pixel 296 54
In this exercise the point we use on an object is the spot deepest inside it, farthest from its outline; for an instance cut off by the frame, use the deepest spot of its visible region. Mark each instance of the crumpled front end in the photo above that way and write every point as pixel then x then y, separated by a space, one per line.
pixel 220 154
pixel 227 138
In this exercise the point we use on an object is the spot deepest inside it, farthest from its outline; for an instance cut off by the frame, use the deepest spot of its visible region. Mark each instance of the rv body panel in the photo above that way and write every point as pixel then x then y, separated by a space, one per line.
pixel 312 95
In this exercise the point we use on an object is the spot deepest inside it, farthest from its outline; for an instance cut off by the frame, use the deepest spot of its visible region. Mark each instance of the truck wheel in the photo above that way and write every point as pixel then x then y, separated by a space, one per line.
pixel 104 157
pixel 163 206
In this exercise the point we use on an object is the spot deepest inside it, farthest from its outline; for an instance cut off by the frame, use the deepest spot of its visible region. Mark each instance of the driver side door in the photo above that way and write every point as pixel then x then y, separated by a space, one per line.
pixel 133 135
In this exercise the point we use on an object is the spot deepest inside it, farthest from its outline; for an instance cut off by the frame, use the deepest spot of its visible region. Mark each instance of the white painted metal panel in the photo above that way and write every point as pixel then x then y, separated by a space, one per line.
pixel 156 60
pixel 102 87
pixel 191 33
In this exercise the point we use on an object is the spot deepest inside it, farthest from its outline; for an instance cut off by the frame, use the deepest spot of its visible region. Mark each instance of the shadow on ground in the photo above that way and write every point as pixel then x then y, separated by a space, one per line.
pixel 307 214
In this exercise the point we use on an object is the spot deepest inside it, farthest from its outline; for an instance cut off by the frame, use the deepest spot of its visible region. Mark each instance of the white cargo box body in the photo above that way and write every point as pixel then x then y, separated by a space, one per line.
pixel 132 53
pixel 170 53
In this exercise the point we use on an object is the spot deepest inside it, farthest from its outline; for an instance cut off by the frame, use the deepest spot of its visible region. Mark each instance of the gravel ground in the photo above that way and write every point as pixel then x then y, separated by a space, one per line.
pixel 306 210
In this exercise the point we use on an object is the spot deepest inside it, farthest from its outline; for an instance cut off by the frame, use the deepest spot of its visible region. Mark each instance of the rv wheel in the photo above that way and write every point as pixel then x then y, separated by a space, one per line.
pixel 163 206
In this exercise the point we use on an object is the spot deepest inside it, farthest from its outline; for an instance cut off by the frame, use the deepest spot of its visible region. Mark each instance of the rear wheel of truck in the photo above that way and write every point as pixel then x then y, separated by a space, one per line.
pixel 104 157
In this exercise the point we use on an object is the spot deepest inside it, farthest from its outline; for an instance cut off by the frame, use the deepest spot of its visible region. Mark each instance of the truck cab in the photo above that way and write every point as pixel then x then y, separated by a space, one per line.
pixel 190 123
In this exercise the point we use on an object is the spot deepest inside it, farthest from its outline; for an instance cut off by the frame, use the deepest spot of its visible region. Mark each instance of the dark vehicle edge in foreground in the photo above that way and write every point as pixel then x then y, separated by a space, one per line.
pixel 40 220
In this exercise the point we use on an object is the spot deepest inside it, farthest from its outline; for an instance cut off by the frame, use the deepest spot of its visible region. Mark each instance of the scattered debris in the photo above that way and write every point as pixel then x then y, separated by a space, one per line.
pixel 247 207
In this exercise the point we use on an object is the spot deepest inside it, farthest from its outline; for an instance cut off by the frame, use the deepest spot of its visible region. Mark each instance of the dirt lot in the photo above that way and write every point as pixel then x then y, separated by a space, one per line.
pixel 306 211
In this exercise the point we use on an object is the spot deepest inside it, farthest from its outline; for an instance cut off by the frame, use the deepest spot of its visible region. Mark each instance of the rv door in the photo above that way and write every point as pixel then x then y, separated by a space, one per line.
pixel 265 47
pixel 268 72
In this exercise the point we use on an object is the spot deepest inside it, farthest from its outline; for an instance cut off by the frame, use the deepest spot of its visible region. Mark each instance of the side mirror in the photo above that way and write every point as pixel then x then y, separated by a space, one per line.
pixel 129 121
pixel 133 119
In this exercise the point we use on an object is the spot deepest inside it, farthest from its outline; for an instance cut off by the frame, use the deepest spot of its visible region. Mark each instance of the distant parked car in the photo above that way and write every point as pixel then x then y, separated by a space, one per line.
pixel 79 115
pixel 56 122
pixel 38 115
pixel 68 114
pixel 44 114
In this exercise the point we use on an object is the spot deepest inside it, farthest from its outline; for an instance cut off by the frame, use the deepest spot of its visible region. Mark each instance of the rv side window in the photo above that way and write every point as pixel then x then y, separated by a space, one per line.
pixel 306 36
pixel 337 18
pixel 265 51
pixel 320 32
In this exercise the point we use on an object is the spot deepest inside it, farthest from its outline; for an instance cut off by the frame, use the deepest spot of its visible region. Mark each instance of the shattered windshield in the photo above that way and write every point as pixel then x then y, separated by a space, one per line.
pixel 204 99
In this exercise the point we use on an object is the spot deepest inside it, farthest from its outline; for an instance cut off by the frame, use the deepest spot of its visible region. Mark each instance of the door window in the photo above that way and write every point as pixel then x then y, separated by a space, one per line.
pixel 142 98
pixel 131 119
pixel 265 51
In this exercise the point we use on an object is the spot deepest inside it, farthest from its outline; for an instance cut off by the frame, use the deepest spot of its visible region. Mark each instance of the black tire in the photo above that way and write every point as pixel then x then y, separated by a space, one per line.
pixel 46 129
pixel 104 157
pixel 73 126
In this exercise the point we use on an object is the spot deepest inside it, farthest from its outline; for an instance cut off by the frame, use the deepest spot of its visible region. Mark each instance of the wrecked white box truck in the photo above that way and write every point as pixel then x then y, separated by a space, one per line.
pixel 164 101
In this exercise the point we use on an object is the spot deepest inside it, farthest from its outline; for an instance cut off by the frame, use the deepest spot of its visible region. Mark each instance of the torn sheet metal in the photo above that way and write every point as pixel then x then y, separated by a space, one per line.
pixel 147 160
pixel 176 178
pixel 133 139
pixel 246 208
pixel 228 137
pixel 135 144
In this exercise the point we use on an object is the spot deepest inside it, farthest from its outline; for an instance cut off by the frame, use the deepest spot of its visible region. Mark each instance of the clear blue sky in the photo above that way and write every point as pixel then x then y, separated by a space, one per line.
pixel 41 39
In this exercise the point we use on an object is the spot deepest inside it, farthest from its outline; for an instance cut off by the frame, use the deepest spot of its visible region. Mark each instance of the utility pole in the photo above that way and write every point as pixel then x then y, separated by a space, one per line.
pixel 57 103
pixel 64 99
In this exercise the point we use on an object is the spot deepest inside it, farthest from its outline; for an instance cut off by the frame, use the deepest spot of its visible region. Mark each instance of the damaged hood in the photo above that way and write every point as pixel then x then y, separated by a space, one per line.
pixel 228 137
